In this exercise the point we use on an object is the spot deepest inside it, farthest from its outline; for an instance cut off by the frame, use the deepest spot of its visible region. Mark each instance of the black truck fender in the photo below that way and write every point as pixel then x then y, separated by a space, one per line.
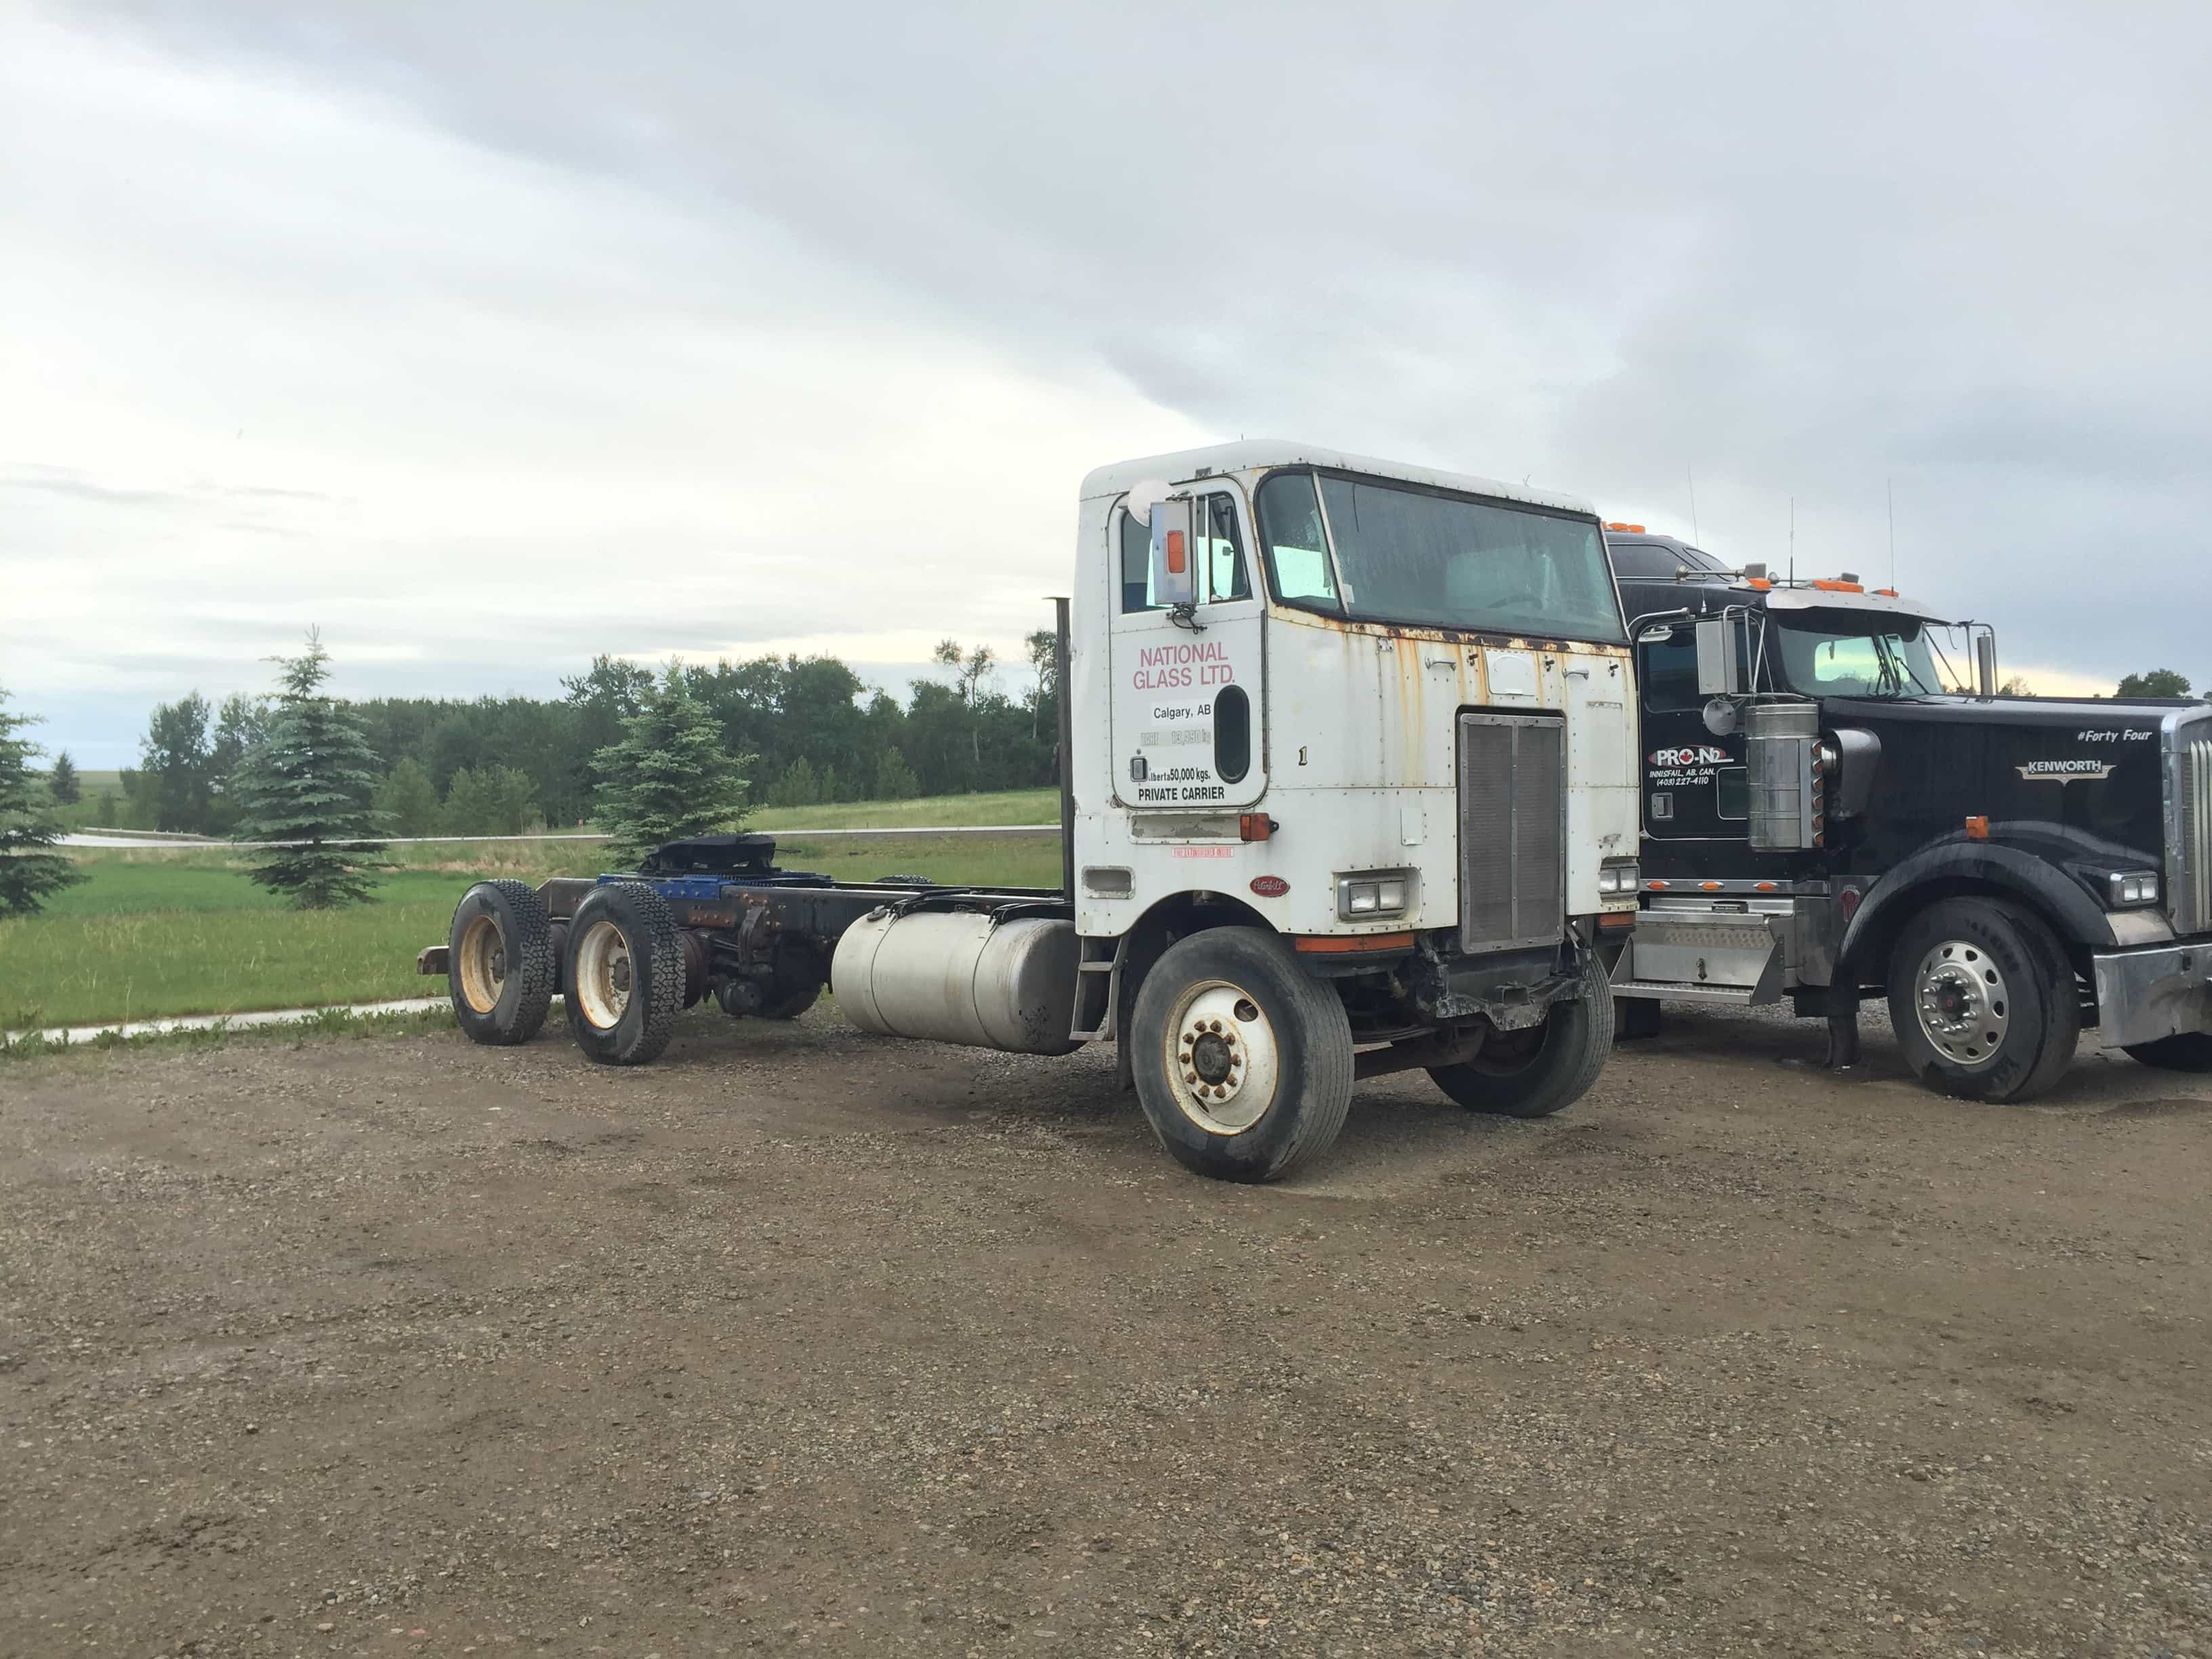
pixel 1958 866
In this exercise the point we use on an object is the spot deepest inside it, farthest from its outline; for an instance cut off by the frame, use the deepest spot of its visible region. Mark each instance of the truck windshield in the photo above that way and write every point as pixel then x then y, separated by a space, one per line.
pixel 1835 655
pixel 1407 554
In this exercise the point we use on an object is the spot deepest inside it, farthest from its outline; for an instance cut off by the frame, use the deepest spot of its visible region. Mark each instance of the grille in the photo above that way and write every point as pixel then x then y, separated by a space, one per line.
pixel 1512 831
pixel 2189 857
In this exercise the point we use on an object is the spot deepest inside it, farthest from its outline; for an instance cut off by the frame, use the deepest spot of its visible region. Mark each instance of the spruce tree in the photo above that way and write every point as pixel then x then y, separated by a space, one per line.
pixel 672 775
pixel 62 782
pixel 308 785
pixel 29 868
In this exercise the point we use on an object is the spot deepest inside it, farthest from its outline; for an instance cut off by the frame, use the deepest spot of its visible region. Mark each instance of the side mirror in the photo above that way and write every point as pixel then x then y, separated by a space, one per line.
pixel 1717 659
pixel 1175 553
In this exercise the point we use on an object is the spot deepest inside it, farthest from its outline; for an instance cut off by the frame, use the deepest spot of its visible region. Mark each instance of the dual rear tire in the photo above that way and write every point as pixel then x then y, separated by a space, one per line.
pixel 620 968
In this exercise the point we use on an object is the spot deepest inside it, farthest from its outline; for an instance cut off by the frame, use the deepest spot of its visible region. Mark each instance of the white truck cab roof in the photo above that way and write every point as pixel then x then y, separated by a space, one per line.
pixel 1252 454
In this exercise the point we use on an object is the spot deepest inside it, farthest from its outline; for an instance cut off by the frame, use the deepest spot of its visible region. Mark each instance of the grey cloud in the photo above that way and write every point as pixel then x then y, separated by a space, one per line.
pixel 1811 255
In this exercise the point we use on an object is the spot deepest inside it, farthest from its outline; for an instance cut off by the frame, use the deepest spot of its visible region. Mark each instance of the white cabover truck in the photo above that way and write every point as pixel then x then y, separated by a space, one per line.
pixel 1350 788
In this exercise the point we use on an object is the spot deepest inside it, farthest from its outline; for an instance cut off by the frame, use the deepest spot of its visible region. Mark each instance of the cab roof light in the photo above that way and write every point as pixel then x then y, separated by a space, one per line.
pixel 1843 585
pixel 1625 529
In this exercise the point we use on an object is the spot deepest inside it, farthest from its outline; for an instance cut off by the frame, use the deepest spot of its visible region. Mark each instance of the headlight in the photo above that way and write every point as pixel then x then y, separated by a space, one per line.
pixel 2126 887
pixel 1618 876
pixel 1378 894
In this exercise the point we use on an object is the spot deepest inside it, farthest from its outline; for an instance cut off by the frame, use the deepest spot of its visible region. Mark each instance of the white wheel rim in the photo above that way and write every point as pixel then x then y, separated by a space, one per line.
pixel 1965 1008
pixel 482 964
pixel 603 975
pixel 1222 1061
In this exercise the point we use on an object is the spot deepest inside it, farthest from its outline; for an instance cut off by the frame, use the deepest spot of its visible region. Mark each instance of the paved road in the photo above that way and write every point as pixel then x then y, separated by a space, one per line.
pixel 800 1340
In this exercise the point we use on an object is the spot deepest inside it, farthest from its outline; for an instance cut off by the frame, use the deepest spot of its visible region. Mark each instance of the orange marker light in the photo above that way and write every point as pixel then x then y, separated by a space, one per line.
pixel 1709 886
pixel 1764 886
pixel 1978 827
pixel 1254 826
pixel 1342 943
pixel 1175 552
pixel 1827 587
pixel 1617 919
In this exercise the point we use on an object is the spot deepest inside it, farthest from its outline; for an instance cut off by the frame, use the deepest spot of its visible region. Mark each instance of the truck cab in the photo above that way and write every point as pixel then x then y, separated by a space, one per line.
pixel 1829 811
pixel 1348 787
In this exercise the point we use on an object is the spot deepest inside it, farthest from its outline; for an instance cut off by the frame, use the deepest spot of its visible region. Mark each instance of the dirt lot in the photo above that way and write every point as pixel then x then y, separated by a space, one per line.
pixel 799 1340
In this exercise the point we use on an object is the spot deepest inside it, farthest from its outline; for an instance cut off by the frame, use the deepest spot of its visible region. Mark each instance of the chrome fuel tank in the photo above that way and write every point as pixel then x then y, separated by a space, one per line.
pixel 954 978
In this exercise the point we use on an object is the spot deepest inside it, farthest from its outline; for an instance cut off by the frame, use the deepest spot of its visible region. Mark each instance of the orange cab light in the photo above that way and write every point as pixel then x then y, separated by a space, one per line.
pixel 1654 885
pixel 1760 583
pixel 1339 943
pixel 1886 592
pixel 1709 886
pixel 1254 826
pixel 1978 827
pixel 1764 886
pixel 1615 524
pixel 1617 919
pixel 1828 586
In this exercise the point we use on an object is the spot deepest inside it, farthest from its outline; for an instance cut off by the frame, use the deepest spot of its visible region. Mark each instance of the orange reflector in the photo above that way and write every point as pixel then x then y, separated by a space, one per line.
pixel 1617 919
pixel 1978 827
pixel 1254 826
pixel 1338 944
pixel 1175 552
pixel 1827 587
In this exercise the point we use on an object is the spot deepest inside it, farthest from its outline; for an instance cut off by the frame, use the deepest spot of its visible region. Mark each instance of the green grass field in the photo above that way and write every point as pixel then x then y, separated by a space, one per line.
pixel 1007 806
pixel 154 933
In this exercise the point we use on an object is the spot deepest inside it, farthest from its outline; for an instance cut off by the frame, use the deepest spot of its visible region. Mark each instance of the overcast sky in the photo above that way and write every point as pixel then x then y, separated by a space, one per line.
pixel 487 337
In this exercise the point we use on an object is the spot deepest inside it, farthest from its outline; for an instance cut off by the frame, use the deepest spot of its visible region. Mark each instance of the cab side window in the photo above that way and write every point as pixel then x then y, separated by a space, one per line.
pixel 1137 565
pixel 1224 550
pixel 1667 672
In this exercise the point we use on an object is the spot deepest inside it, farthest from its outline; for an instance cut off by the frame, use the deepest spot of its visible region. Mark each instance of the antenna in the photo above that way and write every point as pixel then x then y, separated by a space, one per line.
pixel 1692 478
pixel 1793 539
pixel 1890 484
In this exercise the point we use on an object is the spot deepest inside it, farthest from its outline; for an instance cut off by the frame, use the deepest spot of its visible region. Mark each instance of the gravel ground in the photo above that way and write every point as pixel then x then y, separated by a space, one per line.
pixel 799 1340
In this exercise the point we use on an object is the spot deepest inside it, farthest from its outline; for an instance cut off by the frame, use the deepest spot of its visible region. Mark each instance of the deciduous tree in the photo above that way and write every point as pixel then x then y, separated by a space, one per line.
pixel 2156 682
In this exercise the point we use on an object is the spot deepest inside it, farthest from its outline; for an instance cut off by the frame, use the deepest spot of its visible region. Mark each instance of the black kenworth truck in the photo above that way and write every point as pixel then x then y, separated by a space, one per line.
pixel 1827 816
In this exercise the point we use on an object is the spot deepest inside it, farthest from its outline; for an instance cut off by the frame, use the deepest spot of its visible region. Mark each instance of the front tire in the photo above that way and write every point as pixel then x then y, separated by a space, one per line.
pixel 2187 1051
pixel 624 972
pixel 500 962
pixel 1984 1001
pixel 1546 1069
pixel 1243 1060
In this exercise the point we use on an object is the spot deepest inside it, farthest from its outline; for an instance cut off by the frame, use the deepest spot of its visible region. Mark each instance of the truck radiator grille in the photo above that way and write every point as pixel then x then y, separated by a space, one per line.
pixel 2188 860
pixel 1512 830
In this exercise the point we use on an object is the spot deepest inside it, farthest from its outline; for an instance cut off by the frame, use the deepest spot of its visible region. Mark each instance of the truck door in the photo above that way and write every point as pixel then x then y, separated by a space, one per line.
pixel 1695 786
pixel 1187 693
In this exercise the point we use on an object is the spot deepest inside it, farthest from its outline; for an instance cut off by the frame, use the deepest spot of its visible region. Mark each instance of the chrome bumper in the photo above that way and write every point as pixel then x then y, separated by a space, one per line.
pixel 2146 995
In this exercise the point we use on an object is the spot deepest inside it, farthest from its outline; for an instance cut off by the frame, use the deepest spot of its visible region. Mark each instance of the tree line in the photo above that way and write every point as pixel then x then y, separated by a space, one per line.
pixel 813 730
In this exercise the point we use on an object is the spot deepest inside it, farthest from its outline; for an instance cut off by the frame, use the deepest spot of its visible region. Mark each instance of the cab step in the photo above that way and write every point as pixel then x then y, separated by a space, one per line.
pixel 1097 988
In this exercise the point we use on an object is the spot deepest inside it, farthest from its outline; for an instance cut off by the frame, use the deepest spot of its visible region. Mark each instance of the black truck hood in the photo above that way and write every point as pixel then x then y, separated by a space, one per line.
pixel 2081 778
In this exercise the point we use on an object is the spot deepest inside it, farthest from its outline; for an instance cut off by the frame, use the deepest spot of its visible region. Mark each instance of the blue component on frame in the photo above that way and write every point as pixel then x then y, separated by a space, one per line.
pixel 706 889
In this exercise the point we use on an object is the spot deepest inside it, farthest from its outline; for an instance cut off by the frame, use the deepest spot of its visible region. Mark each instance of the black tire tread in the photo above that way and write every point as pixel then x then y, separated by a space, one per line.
pixel 2051 977
pixel 1559 1075
pixel 2187 1051
pixel 648 913
pixel 1312 1014
pixel 531 967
